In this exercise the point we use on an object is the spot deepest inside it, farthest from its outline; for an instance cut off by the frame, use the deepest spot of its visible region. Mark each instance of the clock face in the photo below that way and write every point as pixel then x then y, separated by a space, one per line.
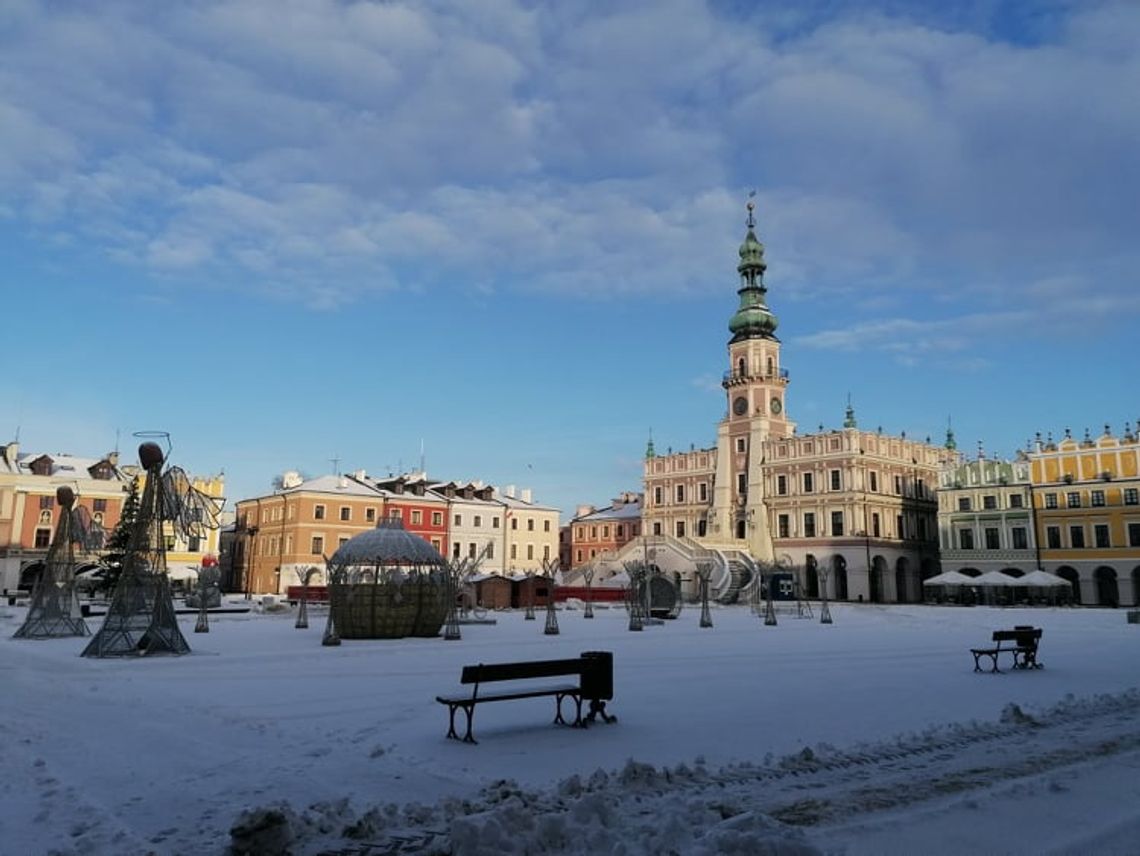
pixel 776 406
pixel 740 406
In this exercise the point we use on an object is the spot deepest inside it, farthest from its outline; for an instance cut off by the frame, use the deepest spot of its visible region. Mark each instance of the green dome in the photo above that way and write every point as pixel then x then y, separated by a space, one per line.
pixel 753 318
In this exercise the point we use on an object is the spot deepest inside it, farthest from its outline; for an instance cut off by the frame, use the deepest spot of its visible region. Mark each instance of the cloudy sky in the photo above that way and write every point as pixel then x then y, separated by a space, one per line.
pixel 293 232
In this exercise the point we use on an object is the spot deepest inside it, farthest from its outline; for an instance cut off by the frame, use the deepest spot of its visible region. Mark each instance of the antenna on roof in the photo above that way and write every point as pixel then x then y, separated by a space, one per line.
pixel 116 441
pixel 335 461
pixel 422 468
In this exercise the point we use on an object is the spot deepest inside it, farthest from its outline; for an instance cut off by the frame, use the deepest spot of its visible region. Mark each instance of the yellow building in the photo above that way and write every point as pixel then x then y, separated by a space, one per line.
pixel 1086 496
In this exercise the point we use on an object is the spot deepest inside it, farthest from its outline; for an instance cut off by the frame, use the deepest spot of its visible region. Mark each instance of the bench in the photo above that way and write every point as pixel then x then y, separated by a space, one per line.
pixel 595 684
pixel 1023 650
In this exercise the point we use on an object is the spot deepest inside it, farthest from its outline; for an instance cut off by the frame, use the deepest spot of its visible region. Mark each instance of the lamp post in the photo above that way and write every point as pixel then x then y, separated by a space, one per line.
pixel 251 531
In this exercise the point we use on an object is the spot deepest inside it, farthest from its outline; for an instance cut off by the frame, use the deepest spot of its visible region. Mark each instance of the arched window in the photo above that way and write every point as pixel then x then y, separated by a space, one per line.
pixel 740 367
pixel 770 367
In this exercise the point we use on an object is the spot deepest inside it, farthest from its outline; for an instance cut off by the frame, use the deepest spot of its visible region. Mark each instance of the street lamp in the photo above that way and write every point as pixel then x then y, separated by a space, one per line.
pixel 251 531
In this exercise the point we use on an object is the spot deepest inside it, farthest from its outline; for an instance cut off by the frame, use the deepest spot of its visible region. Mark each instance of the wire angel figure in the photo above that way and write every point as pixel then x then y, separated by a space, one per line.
pixel 141 619
pixel 54 610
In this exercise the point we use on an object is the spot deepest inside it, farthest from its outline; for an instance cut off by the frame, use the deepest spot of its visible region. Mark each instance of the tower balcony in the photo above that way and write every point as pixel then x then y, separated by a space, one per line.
pixel 735 378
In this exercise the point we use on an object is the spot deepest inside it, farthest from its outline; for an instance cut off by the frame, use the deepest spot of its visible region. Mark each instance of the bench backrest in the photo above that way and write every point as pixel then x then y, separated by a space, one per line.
pixel 595 668
pixel 1025 637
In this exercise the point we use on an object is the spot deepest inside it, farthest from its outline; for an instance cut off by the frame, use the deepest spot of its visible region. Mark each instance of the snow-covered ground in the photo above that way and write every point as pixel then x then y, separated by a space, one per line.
pixel 870 735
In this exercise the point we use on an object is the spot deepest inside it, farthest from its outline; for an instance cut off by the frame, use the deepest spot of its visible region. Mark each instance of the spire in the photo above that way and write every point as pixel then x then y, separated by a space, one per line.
pixel 649 452
pixel 849 422
pixel 753 319
pixel 951 443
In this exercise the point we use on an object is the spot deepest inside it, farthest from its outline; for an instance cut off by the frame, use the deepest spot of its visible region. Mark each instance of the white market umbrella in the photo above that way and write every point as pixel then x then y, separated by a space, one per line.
pixel 949 578
pixel 997 578
pixel 182 573
pixel 1043 579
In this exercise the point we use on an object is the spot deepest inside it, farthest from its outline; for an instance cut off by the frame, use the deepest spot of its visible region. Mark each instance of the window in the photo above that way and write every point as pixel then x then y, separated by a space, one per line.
pixel 495 522
pixel 1076 537
pixel 546 526
pixel 875 524
pixel 619 531
pixel 578 556
pixel 966 539
pixel 703 492
pixel 530 524
pixel 514 524
pixel 1020 542
pixel 1100 534
pixel 874 482
pixel 605 531
pixel 478 521
pixel 438 545
pixel 657 496
pixel 782 525
pixel 194 545
pixel 656 527
pixel 43 538
pixel 680 528
pixel 993 538
pixel 835 480
pixel 395 514
pixel 837 523
pixel 1097 498
pixel 530 551
pixel 1050 500
pixel 680 493
pixel 514 551
pixel 458 520
pixel 417 517
pixel 437 518
pixel 1073 498
pixel 47 502
pixel 318 545
pixel 99 505
pixel 455 550
pixel 989 502
pixel 342 540
pixel 1132 496
pixel 370 515
pixel 1134 534
pixel 899 526
pixel 1015 501
pixel 1053 537
pixel 345 512
pixel 740 444
pixel 742 484
pixel 963 503
pixel 898 484
pixel 318 512
pixel 782 485
pixel 808 482
pixel 809 525
pixel 546 552
pixel 471 550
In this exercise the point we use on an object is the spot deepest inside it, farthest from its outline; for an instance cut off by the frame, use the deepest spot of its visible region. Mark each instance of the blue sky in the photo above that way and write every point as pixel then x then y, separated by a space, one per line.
pixel 287 232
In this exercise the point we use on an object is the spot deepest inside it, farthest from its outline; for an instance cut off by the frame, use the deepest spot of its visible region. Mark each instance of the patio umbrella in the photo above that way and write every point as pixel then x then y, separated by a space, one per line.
pixel 997 578
pixel 1043 579
pixel 949 578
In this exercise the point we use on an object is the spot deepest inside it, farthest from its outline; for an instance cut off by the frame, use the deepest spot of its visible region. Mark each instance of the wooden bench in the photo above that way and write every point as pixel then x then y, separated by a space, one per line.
pixel 1023 650
pixel 595 684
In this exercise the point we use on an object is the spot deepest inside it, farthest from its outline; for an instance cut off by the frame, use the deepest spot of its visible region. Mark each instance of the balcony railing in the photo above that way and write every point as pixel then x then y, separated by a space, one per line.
pixel 734 377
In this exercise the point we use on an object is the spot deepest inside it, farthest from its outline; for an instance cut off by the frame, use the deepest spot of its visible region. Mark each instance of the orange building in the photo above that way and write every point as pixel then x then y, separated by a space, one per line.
pixel 29 512
pixel 599 532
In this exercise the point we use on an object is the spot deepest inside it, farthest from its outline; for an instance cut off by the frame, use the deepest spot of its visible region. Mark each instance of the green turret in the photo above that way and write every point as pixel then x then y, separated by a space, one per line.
pixel 849 422
pixel 753 319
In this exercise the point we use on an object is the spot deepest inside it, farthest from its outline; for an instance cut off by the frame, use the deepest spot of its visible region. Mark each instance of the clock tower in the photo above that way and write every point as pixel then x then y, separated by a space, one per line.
pixel 755 386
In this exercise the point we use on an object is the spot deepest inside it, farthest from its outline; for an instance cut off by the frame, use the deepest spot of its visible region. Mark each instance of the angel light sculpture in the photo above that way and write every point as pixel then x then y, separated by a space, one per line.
pixel 141 619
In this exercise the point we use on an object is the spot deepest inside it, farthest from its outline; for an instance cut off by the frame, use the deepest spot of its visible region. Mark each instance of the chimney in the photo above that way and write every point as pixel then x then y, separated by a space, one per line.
pixel 524 495
pixel 290 479
pixel 360 474
pixel 583 510
pixel 509 491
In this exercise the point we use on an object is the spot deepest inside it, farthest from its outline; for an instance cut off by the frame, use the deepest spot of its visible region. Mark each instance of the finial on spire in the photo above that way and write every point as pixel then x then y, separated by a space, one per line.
pixel 951 443
pixel 849 422
pixel 751 206
pixel 649 452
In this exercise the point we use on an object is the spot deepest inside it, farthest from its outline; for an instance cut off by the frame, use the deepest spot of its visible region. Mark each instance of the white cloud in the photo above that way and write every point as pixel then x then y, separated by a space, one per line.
pixel 559 148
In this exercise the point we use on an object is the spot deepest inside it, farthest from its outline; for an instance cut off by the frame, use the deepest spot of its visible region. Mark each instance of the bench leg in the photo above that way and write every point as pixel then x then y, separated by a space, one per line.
pixel 452 734
pixel 598 708
pixel 558 718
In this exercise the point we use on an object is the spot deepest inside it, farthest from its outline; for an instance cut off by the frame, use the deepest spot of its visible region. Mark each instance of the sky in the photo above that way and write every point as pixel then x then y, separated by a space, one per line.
pixel 328 235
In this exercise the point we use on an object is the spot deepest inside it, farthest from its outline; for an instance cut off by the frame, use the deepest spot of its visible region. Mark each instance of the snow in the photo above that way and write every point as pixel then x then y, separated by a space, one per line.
pixel 870 735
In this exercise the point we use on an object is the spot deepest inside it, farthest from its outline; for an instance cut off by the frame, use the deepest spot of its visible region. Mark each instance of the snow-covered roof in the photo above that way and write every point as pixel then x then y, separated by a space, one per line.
pixel 624 511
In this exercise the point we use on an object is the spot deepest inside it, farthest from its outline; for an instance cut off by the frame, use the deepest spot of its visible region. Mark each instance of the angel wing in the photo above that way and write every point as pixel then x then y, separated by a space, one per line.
pixel 190 511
